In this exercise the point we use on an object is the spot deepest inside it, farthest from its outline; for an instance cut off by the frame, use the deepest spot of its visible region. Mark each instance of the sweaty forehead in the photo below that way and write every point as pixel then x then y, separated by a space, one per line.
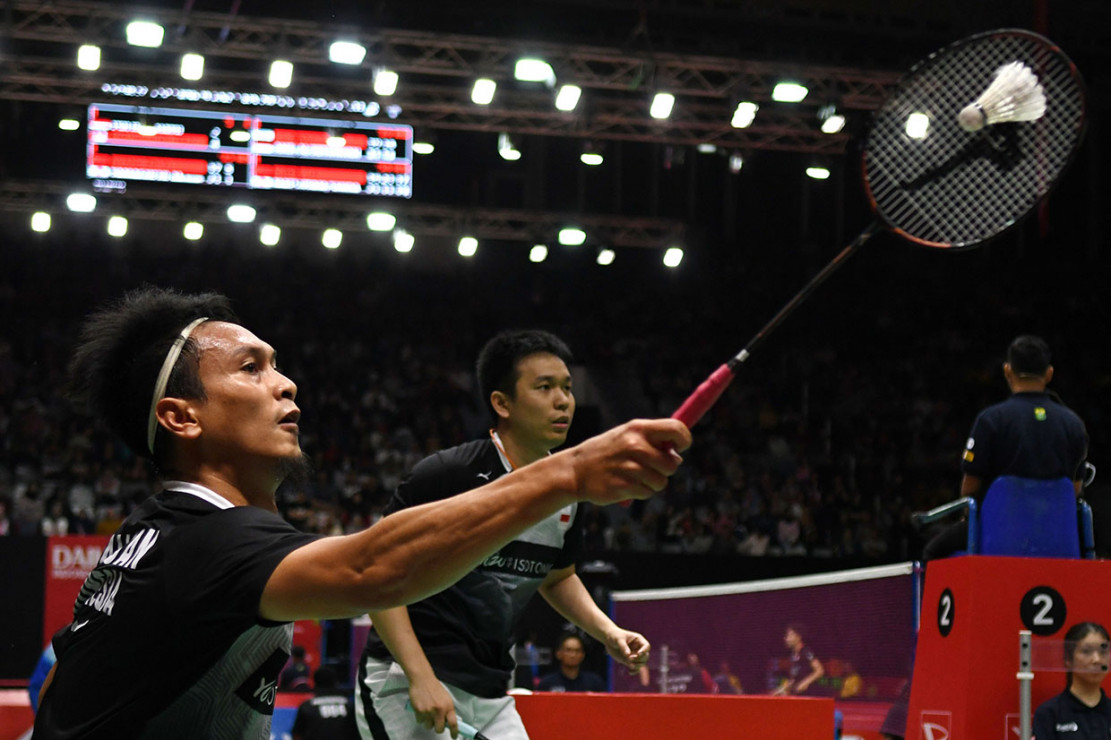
pixel 220 339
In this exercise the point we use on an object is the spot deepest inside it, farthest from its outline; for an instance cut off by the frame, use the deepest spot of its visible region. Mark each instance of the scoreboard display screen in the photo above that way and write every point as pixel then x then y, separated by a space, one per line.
pixel 262 152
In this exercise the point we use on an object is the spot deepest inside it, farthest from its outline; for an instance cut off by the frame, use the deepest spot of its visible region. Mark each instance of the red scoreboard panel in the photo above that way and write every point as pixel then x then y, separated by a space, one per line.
pixel 262 152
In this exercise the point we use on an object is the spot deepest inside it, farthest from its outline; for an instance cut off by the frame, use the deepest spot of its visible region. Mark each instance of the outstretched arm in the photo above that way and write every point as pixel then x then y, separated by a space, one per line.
pixel 418 551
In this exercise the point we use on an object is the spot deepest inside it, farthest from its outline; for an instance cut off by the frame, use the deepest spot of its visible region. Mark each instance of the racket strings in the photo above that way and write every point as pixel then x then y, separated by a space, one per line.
pixel 945 186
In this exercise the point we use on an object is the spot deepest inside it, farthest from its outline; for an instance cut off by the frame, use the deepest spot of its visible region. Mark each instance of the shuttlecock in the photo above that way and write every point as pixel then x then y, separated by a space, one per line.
pixel 1014 95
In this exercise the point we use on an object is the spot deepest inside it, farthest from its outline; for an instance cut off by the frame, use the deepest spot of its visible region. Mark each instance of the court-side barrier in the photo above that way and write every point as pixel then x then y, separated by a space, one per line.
pixel 972 610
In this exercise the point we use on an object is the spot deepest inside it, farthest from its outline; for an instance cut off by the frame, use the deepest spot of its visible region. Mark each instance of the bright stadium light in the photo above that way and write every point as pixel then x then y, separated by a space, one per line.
pixel 331 238
pixel 81 202
pixel 744 114
pixel 918 125
pixel 385 82
pixel 468 246
pixel 423 147
pixel 380 221
pixel 483 91
pixel 346 52
pixel 193 231
pixel 673 256
pixel 568 97
pixel 531 69
pixel 281 73
pixel 192 66
pixel 69 124
pixel 538 253
pixel 117 226
pixel 818 173
pixel 145 33
pixel 241 213
pixel 270 234
pixel 40 222
pixel 662 104
pixel 88 57
pixel 403 241
pixel 507 149
pixel 606 256
pixel 571 236
pixel 789 92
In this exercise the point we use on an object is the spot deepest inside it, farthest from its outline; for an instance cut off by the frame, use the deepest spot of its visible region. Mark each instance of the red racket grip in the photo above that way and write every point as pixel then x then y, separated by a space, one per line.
pixel 704 396
pixel 699 402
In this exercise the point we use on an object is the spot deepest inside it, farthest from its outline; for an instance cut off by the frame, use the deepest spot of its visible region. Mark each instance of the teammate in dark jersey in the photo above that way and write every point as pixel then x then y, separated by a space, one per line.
pixel 1030 435
pixel 183 626
pixel 1082 711
pixel 451 651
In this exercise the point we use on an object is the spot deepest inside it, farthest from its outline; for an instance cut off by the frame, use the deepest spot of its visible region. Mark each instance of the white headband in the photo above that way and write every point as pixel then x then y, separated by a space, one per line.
pixel 164 378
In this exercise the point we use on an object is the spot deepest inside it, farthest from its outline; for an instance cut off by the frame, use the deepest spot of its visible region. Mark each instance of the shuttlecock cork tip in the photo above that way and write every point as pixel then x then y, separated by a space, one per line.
pixel 971 117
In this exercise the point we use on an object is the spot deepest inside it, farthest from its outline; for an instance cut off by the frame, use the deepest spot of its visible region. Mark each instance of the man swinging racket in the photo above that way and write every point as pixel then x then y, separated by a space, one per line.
pixel 184 625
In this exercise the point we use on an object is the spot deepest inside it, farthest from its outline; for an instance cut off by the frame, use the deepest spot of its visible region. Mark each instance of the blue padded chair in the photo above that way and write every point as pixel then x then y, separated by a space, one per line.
pixel 1025 517
pixel 1035 518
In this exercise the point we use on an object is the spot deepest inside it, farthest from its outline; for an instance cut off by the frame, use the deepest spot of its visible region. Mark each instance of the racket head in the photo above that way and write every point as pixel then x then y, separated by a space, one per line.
pixel 952 189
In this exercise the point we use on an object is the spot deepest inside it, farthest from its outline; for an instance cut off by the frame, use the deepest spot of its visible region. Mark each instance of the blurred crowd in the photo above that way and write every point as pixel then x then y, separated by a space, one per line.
pixel 846 420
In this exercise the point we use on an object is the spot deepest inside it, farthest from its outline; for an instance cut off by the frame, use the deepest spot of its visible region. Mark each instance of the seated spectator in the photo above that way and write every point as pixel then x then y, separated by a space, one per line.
pixel 570 676
pixel 295 676
pixel 330 715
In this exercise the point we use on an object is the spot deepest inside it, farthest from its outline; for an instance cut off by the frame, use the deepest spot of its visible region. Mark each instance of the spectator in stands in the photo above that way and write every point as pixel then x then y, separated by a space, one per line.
pixel 295 676
pixel 1082 711
pixel 571 676
pixel 330 715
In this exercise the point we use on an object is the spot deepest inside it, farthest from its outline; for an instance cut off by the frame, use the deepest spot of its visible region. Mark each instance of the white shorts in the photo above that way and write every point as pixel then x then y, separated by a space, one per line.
pixel 381 714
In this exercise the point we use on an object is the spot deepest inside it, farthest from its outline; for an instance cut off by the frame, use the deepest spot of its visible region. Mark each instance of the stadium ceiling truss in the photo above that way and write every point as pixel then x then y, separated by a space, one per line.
pixel 295 211
pixel 436 71
pixel 39 40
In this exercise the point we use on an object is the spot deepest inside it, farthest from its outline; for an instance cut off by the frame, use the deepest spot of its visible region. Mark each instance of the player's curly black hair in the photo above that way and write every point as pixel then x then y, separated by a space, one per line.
pixel 122 347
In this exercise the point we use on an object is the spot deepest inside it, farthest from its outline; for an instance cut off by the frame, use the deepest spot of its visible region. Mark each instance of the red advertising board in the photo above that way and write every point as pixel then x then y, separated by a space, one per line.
pixel 68 561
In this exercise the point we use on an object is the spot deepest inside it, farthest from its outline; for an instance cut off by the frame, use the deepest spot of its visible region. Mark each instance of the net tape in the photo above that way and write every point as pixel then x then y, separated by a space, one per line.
pixel 955 188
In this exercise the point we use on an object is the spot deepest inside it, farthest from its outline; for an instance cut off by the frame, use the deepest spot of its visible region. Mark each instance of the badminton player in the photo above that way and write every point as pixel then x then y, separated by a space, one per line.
pixel 183 627
pixel 448 656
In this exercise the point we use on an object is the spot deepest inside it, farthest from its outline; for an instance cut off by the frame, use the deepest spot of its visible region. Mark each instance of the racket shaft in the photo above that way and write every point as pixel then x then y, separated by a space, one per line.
pixel 704 396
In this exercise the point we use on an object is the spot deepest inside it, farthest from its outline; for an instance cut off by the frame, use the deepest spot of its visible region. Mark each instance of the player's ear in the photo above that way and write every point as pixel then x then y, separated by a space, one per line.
pixel 177 416
pixel 1049 374
pixel 501 403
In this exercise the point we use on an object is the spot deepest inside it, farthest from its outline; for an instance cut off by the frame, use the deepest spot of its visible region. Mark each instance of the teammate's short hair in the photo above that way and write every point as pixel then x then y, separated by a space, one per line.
pixel 115 367
pixel 1029 355
pixel 497 362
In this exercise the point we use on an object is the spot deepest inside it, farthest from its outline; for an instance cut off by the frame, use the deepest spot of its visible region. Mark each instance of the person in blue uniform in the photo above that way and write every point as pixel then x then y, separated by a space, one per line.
pixel 1029 435
pixel 1082 711
pixel 448 657
pixel 183 626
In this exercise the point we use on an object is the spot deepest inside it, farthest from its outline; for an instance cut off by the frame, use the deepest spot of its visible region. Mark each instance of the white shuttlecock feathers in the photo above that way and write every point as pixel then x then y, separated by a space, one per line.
pixel 1014 95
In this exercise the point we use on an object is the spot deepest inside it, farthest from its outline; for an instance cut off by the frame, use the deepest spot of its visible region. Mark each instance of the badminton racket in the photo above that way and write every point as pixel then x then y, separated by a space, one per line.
pixel 936 184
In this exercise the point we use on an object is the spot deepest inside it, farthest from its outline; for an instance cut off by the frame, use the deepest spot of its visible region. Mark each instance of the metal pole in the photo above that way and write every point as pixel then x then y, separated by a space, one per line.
pixel 663 669
pixel 1025 676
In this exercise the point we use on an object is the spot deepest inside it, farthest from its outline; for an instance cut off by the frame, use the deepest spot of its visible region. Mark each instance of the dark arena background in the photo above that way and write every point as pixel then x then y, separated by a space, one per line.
pixel 655 265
